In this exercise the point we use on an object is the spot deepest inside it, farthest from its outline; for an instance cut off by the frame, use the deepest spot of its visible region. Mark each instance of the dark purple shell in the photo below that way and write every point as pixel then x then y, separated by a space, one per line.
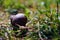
pixel 20 19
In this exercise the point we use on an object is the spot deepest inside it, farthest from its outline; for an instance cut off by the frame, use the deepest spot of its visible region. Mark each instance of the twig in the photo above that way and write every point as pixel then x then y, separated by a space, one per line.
pixel 23 27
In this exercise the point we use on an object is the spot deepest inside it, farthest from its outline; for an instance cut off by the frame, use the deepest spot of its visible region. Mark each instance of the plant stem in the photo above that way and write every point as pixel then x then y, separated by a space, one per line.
pixel 39 32
pixel 57 9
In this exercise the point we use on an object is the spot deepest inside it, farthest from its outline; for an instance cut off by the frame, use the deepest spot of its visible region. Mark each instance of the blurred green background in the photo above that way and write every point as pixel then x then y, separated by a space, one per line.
pixel 43 16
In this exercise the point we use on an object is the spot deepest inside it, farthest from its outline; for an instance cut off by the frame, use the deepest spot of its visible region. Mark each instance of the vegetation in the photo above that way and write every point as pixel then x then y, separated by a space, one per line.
pixel 43 17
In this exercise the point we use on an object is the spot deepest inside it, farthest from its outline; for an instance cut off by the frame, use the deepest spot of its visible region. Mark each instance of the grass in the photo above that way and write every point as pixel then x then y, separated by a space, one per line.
pixel 43 12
